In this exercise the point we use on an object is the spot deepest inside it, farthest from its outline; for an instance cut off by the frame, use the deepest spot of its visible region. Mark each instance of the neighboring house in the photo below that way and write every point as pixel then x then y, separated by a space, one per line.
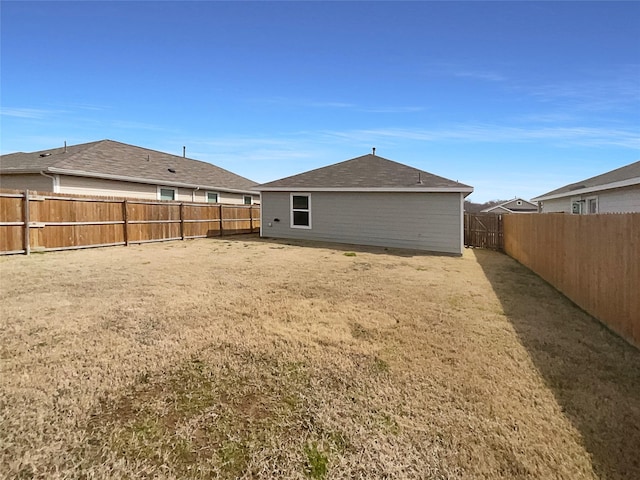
pixel 367 200
pixel 617 191
pixel 517 205
pixel 108 168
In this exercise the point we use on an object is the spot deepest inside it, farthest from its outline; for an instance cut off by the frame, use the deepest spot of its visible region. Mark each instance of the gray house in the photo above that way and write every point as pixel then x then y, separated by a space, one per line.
pixel 616 191
pixel 367 200
pixel 516 205
pixel 109 168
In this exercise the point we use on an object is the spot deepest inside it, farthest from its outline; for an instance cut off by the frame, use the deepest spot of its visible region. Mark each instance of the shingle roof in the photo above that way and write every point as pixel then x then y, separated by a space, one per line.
pixel 512 206
pixel 622 174
pixel 107 158
pixel 366 172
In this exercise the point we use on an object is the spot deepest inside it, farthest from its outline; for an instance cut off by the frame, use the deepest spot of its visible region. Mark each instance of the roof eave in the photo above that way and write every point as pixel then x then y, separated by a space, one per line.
pixel 107 176
pixel 496 207
pixel 466 190
pixel 18 171
pixel 598 188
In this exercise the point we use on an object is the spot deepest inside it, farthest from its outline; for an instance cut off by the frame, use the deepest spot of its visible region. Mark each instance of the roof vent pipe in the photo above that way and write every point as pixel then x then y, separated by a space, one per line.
pixel 184 152
pixel 65 146
pixel 374 150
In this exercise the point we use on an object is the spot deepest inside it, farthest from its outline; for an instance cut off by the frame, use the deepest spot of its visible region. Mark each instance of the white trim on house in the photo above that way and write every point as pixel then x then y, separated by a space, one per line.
pixel 206 196
pixel 107 176
pixel 581 191
pixel 368 189
pixel 261 219
pixel 461 222
pixel 498 207
pixel 589 200
pixel 292 210
pixel 244 199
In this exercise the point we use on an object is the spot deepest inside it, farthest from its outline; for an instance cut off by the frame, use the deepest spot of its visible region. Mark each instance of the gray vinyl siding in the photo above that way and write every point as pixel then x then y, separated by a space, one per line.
pixel 117 188
pixel 619 200
pixel 109 188
pixel 423 221
pixel 27 182
pixel 557 205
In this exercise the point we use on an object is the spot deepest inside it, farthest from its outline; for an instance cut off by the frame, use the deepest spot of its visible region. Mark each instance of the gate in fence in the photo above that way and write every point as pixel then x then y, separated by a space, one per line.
pixel 483 230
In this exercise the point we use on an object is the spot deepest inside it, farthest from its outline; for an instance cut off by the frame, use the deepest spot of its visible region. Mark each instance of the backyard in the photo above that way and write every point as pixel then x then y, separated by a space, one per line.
pixel 251 358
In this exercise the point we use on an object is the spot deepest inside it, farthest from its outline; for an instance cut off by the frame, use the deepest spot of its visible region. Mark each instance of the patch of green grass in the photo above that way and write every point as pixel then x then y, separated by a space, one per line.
pixel 349 254
pixel 317 462
pixel 380 366
pixel 360 332
pixel 204 418
pixel 234 458
pixel 390 424
pixel 456 302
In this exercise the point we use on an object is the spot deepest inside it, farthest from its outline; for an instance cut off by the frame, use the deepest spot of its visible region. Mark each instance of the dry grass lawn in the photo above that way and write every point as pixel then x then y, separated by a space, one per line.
pixel 247 358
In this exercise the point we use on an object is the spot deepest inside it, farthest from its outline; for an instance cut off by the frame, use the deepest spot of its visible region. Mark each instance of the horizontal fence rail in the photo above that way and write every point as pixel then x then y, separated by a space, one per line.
pixel 594 260
pixel 35 221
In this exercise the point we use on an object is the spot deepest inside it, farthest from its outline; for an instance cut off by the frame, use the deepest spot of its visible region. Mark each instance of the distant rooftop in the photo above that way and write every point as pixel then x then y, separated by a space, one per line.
pixel 108 159
pixel 627 174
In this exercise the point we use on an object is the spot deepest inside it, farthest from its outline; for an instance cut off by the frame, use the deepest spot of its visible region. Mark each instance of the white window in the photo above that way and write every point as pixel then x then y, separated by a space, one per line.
pixel 165 193
pixel 576 208
pixel 248 200
pixel 300 210
pixel 212 197
pixel 592 205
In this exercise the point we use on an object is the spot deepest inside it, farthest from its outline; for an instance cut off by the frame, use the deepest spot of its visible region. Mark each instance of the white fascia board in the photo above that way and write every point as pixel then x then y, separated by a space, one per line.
pixel 107 176
pixel 598 188
pixel 497 207
pixel 466 190
pixel 18 171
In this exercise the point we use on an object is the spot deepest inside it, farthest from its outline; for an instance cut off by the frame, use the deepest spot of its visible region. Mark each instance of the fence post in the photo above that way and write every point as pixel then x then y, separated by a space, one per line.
pixel 221 222
pixel 251 217
pixel 182 221
pixel 27 219
pixel 125 217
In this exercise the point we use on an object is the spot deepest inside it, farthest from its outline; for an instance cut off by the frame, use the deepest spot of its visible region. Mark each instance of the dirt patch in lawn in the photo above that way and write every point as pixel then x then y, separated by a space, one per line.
pixel 246 358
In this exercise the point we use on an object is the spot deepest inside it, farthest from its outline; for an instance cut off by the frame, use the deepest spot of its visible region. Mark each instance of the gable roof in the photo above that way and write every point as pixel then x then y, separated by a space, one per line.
pixel 119 161
pixel 366 173
pixel 620 177
pixel 511 206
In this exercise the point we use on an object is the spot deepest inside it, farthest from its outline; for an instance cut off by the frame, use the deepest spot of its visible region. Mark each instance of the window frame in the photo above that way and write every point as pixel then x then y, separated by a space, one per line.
pixel 206 196
pixel 174 190
pixel 293 210
pixel 244 199
pixel 589 203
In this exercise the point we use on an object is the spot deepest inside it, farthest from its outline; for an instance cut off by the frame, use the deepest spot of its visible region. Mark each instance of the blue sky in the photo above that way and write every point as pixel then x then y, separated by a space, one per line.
pixel 513 98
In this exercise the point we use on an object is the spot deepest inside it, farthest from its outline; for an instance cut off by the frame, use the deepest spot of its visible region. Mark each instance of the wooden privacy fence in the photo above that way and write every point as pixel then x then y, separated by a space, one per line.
pixel 483 230
pixel 592 259
pixel 32 221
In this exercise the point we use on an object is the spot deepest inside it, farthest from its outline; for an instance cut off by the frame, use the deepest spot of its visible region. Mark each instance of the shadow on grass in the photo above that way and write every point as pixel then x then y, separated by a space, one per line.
pixel 340 247
pixel 593 373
